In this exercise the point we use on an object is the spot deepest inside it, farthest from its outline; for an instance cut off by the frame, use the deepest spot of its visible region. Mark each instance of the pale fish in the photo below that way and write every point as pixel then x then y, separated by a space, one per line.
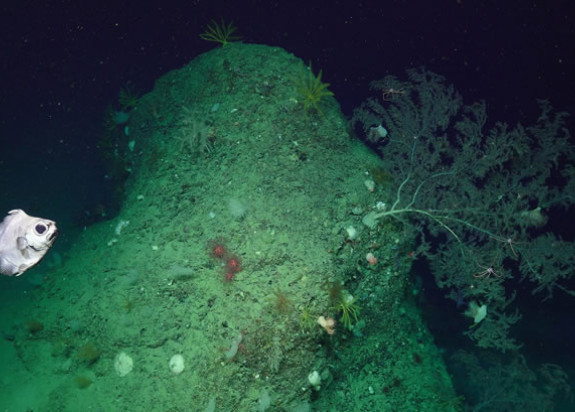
pixel 24 240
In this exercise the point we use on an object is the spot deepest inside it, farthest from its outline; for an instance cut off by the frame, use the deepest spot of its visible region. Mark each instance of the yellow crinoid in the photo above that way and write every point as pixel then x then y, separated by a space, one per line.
pixel 348 310
pixel 312 89
pixel 128 98
pixel 343 302
pixel 221 32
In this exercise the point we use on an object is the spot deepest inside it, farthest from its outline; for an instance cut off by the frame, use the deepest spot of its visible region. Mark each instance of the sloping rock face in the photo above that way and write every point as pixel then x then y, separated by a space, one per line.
pixel 241 226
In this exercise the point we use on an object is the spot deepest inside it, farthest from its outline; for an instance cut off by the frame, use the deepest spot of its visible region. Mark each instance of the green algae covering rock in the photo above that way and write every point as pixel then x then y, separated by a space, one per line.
pixel 241 227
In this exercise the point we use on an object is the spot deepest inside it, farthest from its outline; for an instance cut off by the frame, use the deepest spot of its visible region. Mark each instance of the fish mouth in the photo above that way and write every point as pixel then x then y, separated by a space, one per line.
pixel 53 236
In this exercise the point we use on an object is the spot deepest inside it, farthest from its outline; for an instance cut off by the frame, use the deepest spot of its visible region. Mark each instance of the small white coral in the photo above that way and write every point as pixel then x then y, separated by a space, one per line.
pixel 476 312
pixel 351 232
pixel 314 380
pixel 120 226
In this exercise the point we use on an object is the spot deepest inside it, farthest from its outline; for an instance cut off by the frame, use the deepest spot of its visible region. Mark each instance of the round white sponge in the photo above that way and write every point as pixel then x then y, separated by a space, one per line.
pixel 123 364
pixel 177 364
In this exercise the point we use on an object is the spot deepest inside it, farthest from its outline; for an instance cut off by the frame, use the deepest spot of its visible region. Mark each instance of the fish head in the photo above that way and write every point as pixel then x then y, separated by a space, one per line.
pixel 40 234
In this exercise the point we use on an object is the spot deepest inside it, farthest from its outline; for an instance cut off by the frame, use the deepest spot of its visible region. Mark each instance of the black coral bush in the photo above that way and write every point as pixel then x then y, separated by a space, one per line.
pixel 478 197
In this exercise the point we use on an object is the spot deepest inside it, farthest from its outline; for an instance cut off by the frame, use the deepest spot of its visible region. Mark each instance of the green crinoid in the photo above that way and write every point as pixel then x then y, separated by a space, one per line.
pixel 312 89
pixel 221 32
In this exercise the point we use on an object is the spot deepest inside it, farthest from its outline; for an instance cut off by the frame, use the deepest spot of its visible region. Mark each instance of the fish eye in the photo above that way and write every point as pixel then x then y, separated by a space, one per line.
pixel 40 228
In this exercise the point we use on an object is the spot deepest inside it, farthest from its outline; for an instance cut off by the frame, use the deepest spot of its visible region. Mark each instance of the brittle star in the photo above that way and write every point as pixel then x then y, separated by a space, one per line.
pixel 488 271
